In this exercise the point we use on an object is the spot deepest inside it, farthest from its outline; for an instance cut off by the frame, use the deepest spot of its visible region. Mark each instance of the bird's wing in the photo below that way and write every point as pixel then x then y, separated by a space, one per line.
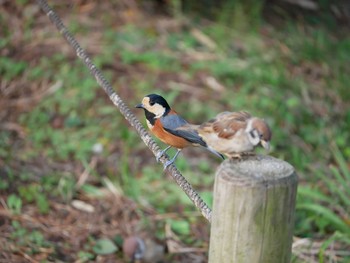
pixel 177 126
pixel 226 124
pixel 235 116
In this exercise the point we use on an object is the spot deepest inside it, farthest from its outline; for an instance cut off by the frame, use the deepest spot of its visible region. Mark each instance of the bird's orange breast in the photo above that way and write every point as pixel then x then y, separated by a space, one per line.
pixel 167 137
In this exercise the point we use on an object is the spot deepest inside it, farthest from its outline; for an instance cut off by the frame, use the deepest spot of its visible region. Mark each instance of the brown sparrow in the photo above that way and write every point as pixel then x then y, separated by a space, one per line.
pixel 235 133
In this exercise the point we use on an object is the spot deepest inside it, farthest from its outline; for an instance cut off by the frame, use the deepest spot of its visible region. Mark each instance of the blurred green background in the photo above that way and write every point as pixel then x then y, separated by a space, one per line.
pixel 75 179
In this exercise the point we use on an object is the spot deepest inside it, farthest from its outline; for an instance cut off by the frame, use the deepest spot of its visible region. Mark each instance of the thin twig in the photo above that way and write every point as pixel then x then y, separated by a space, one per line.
pixel 124 109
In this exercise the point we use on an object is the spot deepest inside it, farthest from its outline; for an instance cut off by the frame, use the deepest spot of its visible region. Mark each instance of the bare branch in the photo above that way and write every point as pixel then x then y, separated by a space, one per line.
pixel 124 109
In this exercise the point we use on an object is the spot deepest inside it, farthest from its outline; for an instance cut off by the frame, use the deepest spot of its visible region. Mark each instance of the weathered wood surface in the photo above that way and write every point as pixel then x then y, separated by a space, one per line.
pixel 253 211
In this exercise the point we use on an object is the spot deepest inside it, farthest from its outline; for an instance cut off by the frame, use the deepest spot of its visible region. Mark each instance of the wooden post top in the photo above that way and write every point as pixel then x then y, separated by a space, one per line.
pixel 253 211
pixel 256 170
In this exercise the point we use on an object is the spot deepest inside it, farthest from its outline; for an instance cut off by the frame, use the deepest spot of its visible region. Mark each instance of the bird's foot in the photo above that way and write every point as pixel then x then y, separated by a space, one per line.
pixel 236 156
pixel 168 163
pixel 160 154
pixel 240 156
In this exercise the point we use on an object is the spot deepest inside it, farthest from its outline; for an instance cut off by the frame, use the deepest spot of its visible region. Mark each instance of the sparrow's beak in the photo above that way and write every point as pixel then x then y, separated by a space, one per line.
pixel 265 144
pixel 140 106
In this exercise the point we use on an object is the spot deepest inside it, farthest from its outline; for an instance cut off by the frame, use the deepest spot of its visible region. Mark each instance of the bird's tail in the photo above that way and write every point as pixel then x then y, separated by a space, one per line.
pixel 215 152
pixel 203 142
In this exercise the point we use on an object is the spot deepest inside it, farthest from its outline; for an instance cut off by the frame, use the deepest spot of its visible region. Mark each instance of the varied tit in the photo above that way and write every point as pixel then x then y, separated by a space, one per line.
pixel 235 133
pixel 169 127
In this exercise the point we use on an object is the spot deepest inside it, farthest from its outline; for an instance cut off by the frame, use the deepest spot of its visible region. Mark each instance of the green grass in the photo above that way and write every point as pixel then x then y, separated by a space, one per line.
pixel 296 79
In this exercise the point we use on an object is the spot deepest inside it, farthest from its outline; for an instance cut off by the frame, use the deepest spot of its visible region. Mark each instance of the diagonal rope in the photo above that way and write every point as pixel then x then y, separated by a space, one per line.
pixel 124 109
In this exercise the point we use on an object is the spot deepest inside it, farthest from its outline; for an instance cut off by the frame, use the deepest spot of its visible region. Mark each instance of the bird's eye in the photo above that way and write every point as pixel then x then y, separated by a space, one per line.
pixel 151 103
pixel 252 134
pixel 260 135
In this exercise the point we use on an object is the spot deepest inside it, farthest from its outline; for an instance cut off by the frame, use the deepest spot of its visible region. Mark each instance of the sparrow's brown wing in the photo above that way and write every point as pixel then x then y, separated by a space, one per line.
pixel 235 116
pixel 226 124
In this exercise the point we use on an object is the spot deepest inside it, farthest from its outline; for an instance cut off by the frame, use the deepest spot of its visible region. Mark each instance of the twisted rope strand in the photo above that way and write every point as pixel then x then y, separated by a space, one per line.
pixel 124 109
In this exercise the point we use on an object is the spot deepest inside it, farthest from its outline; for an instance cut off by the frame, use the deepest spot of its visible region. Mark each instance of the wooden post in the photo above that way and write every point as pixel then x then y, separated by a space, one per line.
pixel 253 211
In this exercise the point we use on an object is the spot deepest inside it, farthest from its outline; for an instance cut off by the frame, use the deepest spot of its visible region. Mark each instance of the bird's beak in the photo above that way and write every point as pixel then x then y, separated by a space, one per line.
pixel 265 144
pixel 140 106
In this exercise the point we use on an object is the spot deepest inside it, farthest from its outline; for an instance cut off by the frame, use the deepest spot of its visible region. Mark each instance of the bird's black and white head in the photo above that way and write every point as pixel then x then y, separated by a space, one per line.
pixel 155 104
pixel 259 132
pixel 155 107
